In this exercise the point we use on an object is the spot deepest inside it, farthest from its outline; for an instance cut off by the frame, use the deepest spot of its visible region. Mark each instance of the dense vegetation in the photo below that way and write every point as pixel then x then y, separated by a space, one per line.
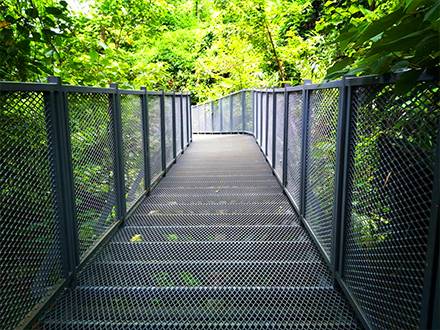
pixel 212 47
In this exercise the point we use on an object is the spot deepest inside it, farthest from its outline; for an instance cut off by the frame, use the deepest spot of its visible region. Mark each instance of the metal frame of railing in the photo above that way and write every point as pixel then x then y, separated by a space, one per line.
pixel 335 113
pixel 118 123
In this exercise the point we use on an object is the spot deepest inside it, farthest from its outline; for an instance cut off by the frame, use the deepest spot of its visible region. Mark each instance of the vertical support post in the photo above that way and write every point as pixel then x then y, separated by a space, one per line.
pixel 220 105
pixel 243 111
pixel 61 162
pixel 118 163
pixel 212 116
pixel 162 132
pixel 231 117
pixel 430 316
pixel 256 109
pixel 274 129
pixel 174 126
pixel 341 172
pixel 261 119
pixel 181 124
pixel 146 138
pixel 304 146
pixel 285 135
pixel 189 118
pixel 267 121
pixel 188 121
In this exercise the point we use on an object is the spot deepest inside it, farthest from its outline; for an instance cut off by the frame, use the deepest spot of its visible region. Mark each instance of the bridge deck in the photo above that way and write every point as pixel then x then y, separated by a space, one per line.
pixel 215 245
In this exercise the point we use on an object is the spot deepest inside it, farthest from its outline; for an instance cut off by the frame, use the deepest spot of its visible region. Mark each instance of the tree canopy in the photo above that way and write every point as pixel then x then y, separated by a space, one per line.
pixel 212 47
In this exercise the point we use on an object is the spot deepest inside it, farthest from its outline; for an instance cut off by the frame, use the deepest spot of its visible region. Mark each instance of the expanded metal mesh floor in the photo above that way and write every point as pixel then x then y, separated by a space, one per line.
pixel 215 246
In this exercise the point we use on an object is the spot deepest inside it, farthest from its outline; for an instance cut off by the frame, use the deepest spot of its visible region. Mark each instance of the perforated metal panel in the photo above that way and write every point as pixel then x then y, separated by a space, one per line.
pixel 390 186
pixel 92 140
pixel 30 260
pixel 270 124
pixel 154 134
pixel 179 112
pixel 169 129
pixel 216 116
pixel 133 150
pixel 249 114
pixel 178 263
pixel 294 139
pixel 185 120
pixel 237 117
pixel 320 164
pixel 279 134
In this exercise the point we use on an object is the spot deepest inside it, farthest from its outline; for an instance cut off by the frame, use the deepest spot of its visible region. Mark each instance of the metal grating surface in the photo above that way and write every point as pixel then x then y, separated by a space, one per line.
pixel 320 164
pixel 90 121
pixel 132 141
pixel 294 138
pixel 206 270
pixel 391 186
pixel 154 135
pixel 30 261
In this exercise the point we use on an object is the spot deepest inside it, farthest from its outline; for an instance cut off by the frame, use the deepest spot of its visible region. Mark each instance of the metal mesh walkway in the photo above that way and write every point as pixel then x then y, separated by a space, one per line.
pixel 215 246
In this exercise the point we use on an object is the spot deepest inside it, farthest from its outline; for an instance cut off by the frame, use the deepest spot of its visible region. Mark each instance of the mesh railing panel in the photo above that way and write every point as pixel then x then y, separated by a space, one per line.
pixel 154 136
pixel 92 140
pixel 169 129
pixel 294 138
pixel 320 164
pixel 249 112
pixel 237 119
pixel 279 134
pixel 226 114
pixel 270 124
pixel 133 150
pixel 178 125
pixel 185 120
pixel 30 258
pixel 391 175
pixel 216 116
pixel 259 118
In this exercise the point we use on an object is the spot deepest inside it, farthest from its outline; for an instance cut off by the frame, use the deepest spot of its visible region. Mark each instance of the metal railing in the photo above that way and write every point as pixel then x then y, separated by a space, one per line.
pixel 360 164
pixel 73 162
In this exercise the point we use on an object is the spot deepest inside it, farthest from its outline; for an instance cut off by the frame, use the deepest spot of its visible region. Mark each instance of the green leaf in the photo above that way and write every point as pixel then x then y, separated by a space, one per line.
pixel 433 14
pixel 406 82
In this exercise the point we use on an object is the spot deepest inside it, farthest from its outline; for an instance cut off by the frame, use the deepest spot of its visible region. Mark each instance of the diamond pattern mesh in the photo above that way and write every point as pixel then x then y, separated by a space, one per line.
pixel 249 114
pixel 132 141
pixel 179 112
pixel 178 263
pixel 216 116
pixel 154 134
pixel 237 119
pixel 279 134
pixel 91 127
pixel 270 124
pixel 30 258
pixel 263 122
pixel 391 185
pixel 226 114
pixel 185 120
pixel 169 129
pixel 320 164
pixel 294 138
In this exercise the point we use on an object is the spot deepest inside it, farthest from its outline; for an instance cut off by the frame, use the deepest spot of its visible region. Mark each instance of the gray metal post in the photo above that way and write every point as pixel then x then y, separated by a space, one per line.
pixel 267 122
pixel 162 132
pixel 274 129
pixel 304 146
pixel 173 108
pixel 61 162
pixel 220 105
pixel 212 116
pixel 118 163
pixel 285 135
pixel 341 173
pixel 146 138
pixel 231 117
pixel 243 110
pixel 256 109
pixel 181 124
pixel 430 315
